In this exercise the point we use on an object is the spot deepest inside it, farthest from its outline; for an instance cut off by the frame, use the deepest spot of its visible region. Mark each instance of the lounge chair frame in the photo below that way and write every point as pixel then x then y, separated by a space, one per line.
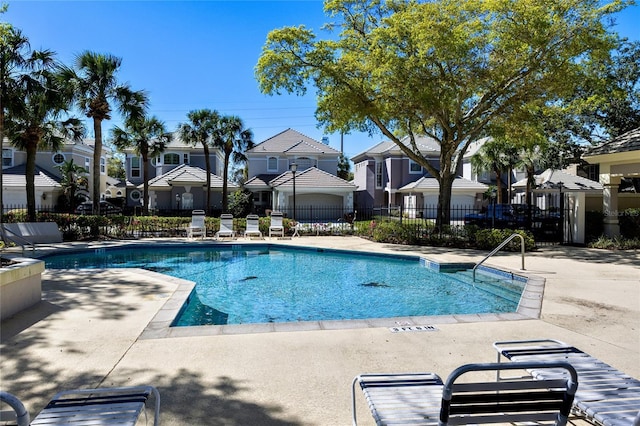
pixel 226 227
pixel 85 407
pixel 253 226
pixel 197 227
pixel 423 399
pixel 276 227
pixel 606 396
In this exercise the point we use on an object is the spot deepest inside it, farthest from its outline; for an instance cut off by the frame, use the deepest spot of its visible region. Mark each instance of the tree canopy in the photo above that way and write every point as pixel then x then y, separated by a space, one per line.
pixel 442 68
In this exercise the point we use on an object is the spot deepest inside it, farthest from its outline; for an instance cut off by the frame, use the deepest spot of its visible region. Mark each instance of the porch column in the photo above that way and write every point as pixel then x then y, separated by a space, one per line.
pixel 610 201
pixel 575 221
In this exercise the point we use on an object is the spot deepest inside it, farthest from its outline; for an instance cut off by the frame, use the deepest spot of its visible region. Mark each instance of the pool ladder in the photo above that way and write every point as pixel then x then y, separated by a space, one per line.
pixel 504 243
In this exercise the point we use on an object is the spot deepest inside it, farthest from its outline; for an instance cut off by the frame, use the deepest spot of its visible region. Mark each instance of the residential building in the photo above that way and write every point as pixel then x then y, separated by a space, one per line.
pixel 177 178
pixel 48 174
pixel 618 163
pixel 386 177
pixel 271 179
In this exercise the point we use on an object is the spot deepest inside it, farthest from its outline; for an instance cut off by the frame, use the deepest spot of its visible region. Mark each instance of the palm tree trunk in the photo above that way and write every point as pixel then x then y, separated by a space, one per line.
pixel 499 185
pixel 97 153
pixel 225 195
pixel 29 175
pixel 145 185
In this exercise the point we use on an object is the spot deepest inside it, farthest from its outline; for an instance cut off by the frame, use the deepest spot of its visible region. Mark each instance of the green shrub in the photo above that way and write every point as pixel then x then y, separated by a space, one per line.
pixel 488 239
pixel 630 223
pixel 615 243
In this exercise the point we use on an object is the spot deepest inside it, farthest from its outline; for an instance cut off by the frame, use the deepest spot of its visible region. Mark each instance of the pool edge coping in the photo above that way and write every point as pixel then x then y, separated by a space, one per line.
pixel 529 308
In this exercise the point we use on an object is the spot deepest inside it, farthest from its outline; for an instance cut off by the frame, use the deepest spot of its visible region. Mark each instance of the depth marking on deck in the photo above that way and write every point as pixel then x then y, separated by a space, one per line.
pixel 413 328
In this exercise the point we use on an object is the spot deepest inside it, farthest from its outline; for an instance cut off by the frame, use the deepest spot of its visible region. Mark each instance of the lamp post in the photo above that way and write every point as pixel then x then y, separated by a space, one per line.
pixel 177 201
pixel 294 168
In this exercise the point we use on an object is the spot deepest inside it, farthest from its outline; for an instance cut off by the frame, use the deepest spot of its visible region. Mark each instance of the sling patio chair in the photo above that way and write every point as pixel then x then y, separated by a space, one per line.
pixel 88 407
pixel 606 397
pixel 423 399
pixel 226 227
pixel 276 227
pixel 197 226
pixel 253 226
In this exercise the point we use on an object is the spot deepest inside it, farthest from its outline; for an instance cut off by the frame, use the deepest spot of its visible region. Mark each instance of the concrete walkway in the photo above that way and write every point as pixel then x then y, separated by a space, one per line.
pixel 87 332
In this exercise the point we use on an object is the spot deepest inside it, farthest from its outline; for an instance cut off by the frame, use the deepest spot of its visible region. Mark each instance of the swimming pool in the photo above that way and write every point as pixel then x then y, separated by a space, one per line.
pixel 267 283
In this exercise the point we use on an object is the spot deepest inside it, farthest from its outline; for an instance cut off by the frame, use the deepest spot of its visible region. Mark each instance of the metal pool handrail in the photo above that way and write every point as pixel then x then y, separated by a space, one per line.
pixel 504 243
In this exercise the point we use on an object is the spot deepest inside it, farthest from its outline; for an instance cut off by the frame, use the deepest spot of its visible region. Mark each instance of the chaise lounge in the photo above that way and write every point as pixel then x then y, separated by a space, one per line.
pixel 606 396
pixel 423 399
pixel 85 407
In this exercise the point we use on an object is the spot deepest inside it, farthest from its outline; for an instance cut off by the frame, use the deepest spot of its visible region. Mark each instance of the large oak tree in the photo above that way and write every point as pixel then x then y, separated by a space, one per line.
pixel 441 68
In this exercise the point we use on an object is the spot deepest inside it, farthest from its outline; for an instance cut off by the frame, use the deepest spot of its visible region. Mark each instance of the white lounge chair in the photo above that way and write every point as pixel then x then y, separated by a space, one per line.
pixel 253 226
pixel 276 227
pixel 197 226
pixel 84 407
pixel 606 396
pixel 423 399
pixel 226 227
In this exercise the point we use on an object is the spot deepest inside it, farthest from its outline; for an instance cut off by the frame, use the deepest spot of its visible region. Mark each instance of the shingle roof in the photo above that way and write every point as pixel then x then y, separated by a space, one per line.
pixel 187 175
pixel 550 179
pixel 425 144
pixel 292 141
pixel 427 182
pixel 260 181
pixel 629 141
pixel 311 178
pixel 15 177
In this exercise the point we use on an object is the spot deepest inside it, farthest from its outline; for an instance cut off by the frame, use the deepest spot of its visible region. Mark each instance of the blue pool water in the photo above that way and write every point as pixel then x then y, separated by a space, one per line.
pixel 259 284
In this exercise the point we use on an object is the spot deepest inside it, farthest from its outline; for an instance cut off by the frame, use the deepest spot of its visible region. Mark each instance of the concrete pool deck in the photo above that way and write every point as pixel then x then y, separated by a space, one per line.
pixel 89 331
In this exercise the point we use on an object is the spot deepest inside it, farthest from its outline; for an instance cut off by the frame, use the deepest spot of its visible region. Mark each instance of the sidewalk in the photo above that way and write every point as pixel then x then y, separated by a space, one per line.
pixel 87 330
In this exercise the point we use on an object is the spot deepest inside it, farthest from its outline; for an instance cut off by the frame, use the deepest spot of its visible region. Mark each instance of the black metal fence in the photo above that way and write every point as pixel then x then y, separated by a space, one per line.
pixel 545 225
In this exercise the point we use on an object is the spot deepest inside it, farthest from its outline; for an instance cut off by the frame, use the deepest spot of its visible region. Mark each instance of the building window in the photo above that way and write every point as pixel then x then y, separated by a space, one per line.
pixel 171 159
pixel 135 166
pixel 87 164
pixel 378 174
pixel 135 195
pixel 103 165
pixel 185 158
pixel 593 172
pixel 272 164
pixel 7 158
pixel 304 163
pixel 58 158
pixel 414 168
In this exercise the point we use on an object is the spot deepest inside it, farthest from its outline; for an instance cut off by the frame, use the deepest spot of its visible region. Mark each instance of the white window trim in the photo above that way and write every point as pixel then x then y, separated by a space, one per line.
pixel 379 165
pixel 103 165
pixel 53 158
pixel 277 161
pixel 10 156
pixel 132 168
pixel 164 155
pixel 414 172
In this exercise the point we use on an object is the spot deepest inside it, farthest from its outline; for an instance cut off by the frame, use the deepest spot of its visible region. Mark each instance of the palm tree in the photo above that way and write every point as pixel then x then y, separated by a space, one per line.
pixel 148 137
pixel 74 178
pixel 493 156
pixel 96 89
pixel 233 140
pixel 34 121
pixel 16 58
pixel 203 126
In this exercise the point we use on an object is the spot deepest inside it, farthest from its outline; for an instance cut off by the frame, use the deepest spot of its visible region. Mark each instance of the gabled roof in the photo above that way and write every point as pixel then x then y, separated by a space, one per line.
pixel 260 181
pixel 292 141
pixel 15 177
pixel 629 141
pixel 430 183
pixel 187 175
pixel 425 144
pixel 551 179
pixel 311 178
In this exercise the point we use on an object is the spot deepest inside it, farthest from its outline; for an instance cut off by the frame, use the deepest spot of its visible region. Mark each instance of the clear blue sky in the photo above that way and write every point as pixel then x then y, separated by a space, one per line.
pixel 198 54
